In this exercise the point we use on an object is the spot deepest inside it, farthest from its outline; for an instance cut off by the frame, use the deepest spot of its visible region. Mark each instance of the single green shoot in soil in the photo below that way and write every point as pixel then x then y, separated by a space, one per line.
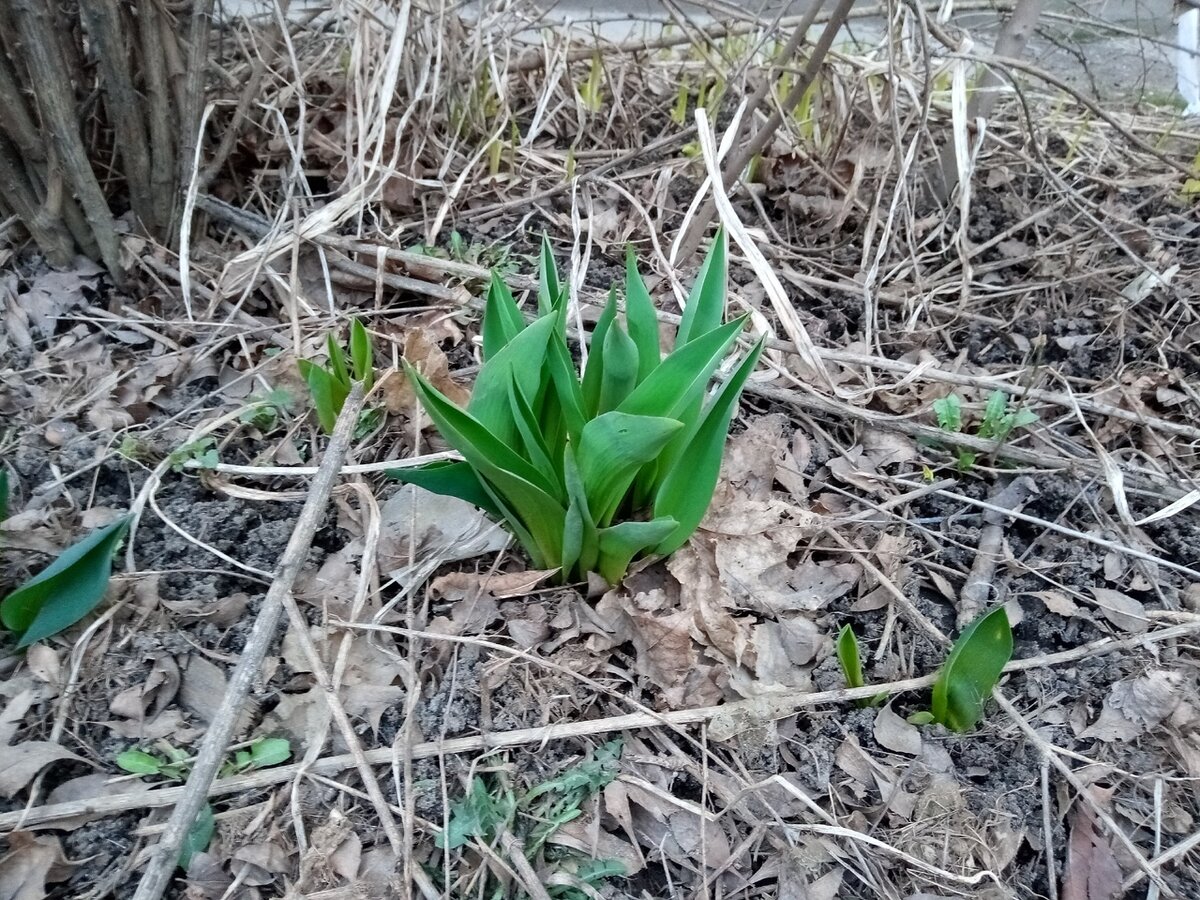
pixel 971 671
pixel 330 385
pixel 591 471
pixel 66 590
pixel 266 412
pixel 199 454
pixel 1000 420
pixel 491 808
pixel 174 764
pixel 851 662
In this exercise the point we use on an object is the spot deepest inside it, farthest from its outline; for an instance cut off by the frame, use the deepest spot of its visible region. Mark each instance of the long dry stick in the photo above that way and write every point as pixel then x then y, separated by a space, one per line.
pixel 195 793
pixel 748 710
pixel 978 589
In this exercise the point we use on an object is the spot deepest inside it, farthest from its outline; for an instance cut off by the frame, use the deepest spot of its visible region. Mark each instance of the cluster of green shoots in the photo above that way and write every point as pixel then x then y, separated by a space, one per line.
pixel 592 471
pixel 492 807
pixel 1000 420
pixel 174 763
pixel 966 679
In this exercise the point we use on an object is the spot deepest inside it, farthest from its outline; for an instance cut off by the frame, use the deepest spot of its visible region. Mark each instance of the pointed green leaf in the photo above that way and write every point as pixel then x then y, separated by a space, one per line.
pixel 641 318
pixel 138 762
pixel 3 494
pixel 337 362
pixel 848 656
pixel 502 319
pixel 612 449
pixel 66 590
pixel 580 542
pixel 360 354
pixel 520 484
pixel 593 373
pixel 521 361
pixel 683 376
pixel 619 544
pixel 705 308
pixel 620 368
pixel 327 395
pixel 948 410
pixel 972 669
pixel 451 479
pixel 566 383
pixel 550 289
pixel 532 439
pixel 270 752
pixel 470 437
pixel 198 837
pixel 687 489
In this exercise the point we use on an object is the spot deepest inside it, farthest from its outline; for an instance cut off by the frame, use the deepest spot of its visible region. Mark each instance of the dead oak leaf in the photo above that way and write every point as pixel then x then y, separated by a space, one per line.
pixel 1092 871
pixel 20 763
pixel 31 861
pixel 1134 705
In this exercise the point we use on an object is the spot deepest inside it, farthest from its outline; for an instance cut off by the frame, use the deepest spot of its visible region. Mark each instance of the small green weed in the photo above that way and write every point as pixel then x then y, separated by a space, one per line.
pixel 66 590
pixel 590 472
pixel 1000 420
pixel 965 682
pixel 265 413
pixel 491 806
pixel 201 454
pixel 330 385
pixel 174 763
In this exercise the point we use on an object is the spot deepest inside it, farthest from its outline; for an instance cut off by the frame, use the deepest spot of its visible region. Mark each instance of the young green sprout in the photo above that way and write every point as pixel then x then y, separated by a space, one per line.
pixel 592 472
pixel 330 384
pixel 851 661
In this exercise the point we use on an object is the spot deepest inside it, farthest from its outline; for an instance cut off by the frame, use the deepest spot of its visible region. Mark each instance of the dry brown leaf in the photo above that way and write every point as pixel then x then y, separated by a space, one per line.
pixel 31 861
pixel 500 585
pixel 144 701
pixel 1134 705
pixel 347 858
pixel 420 528
pixel 258 864
pixel 1091 871
pixel 584 835
pixel 20 763
pixel 423 353
pixel 1121 610
pixel 896 734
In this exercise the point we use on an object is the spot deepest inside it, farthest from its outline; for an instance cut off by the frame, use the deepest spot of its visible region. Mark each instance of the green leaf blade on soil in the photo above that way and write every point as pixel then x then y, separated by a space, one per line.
pixel 550 289
pixel 641 319
pixel 683 376
pixel 620 369
pixel 361 356
pixel 620 543
pixel 3 494
pixel 972 670
pixel 270 752
pixel 451 479
pixel 948 410
pixel 849 658
pixel 198 837
pixel 139 762
pixel 66 590
pixel 521 361
pixel 593 371
pixel 327 395
pixel 502 319
pixel 612 449
pixel 705 307
pixel 687 489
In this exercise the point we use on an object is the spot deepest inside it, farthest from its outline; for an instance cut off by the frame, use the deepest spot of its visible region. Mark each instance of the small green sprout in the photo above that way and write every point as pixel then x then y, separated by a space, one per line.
pixel 971 671
pixel 174 764
pixel 851 661
pixel 998 424
pixel 66 590
pixel 200 454
pixel 264 413
pixel 591 472
pixel 591 92
pixel 330 385
pixel 491 806
pixel 3 493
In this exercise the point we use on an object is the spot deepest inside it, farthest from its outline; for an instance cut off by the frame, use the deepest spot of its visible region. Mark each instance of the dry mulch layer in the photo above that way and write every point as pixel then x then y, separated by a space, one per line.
pixel 687 733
